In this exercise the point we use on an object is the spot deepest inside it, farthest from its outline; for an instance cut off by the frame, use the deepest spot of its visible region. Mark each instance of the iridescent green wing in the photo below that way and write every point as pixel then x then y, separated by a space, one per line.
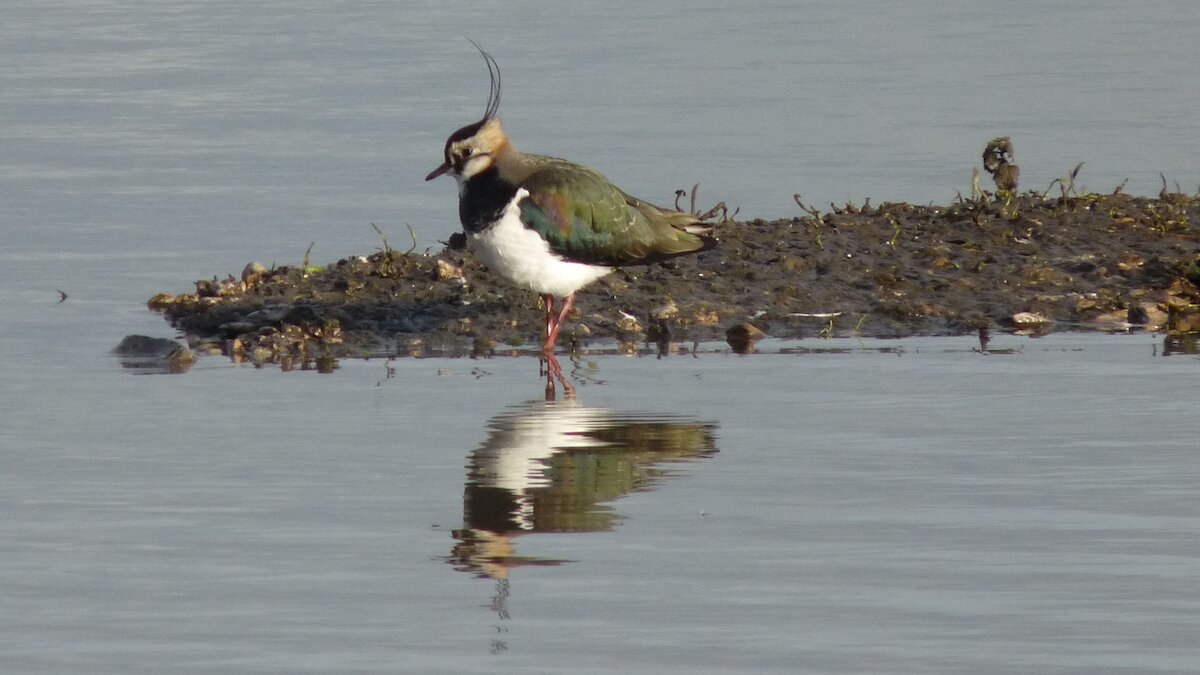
pixel 587 219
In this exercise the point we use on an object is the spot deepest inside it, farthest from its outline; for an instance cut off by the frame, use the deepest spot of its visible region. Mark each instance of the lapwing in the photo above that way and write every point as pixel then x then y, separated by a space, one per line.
pixel 550 225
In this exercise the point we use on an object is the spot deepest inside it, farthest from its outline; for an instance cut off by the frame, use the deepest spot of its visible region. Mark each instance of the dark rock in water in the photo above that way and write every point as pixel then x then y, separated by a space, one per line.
pixel 1137 315
pixel 141 352
pixel 146 347
pixel 743 337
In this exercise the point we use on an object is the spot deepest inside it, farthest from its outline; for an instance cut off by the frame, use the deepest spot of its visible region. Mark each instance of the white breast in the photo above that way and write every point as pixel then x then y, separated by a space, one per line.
pixel 520 255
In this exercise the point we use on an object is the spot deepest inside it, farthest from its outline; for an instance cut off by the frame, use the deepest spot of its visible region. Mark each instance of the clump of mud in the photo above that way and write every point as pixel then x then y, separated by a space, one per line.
pixel 1029 261
pixel 1032 262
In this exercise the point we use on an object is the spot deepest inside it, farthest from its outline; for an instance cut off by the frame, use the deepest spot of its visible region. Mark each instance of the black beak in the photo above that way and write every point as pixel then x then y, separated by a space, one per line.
pixel 438 171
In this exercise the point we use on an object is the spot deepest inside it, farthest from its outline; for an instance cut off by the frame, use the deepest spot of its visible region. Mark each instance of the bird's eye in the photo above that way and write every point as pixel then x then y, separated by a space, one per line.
pixel 467 152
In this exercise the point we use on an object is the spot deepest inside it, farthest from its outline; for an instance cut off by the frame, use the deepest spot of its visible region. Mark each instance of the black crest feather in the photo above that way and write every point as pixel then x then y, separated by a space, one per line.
pixel 493 102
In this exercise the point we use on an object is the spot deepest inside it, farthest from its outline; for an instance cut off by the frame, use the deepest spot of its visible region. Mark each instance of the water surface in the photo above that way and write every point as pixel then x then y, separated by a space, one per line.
pixel 886 506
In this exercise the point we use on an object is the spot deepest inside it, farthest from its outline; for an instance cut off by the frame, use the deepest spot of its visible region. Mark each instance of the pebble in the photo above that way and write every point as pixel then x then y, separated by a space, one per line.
pixel 629 324
pixel 743 337
pixel 447 271
pixel 1029 318
pixel 667 310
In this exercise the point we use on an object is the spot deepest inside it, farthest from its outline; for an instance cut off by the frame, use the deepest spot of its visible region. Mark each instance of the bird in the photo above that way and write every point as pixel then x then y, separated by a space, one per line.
pixel 550 225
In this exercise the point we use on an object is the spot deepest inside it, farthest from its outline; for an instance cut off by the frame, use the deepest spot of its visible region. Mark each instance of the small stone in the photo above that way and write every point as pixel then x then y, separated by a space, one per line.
pixel 614 283
pixel 667 310
pixel 161 301
pixel 1147 314
pixel 207 288
pixel 743 337
pixel 413 346
pixel 1130 262
pixel 483 346
pixel 627 347
pixel 1184 319
pixel 158 354
pixel 1029 318
pixel 447 271
pixel 1116 320
pixel 1177 303
pixel 629 324
pixel 142 346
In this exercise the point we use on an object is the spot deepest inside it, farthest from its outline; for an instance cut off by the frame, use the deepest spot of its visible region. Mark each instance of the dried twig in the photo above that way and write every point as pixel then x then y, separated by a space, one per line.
pixel 414 239
pixel 307 252
pixel 1066 184
pixel 387 250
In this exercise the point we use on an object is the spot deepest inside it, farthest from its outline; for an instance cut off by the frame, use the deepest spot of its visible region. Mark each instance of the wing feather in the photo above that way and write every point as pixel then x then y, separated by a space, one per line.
pixel 587 219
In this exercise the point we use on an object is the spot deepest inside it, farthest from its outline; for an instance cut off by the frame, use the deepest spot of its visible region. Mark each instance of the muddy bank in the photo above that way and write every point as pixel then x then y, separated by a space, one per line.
pixel 1016 262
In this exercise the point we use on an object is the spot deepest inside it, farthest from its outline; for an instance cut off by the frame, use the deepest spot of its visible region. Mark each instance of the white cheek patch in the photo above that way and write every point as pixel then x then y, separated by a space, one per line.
pixel 476 165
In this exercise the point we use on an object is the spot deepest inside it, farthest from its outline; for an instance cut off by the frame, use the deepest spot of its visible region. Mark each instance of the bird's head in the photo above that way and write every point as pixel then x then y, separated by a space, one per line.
pixel 473 149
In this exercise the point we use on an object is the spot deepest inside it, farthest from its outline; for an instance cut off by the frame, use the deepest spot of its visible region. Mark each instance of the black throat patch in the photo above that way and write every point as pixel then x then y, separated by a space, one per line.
pixel 483 200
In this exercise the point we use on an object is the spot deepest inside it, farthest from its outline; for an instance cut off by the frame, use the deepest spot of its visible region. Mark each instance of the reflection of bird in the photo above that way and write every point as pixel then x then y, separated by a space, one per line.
pixel 550 225
pixel 546 466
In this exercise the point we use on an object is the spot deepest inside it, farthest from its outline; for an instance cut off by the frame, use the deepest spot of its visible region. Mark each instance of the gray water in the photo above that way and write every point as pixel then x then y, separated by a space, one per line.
pixel 905 506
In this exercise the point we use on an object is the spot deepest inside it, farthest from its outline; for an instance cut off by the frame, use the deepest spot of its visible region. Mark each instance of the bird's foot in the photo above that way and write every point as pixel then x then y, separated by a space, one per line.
pixel 554 375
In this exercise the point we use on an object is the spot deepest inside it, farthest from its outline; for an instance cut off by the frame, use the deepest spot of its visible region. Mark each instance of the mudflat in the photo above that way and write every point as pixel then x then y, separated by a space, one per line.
pixel 1030 261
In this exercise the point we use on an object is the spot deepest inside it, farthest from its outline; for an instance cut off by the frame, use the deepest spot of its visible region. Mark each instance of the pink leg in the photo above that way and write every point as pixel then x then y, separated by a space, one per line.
pixel 554 374
pixel 552 334
pixel 548 300
pixel 554 371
